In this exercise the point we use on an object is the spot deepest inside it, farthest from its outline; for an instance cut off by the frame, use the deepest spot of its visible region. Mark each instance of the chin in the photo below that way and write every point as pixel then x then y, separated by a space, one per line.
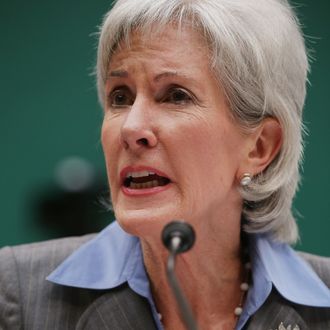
pixel 144 222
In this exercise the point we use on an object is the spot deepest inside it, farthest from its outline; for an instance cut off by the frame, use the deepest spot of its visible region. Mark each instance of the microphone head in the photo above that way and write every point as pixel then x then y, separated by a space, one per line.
pixel 181 230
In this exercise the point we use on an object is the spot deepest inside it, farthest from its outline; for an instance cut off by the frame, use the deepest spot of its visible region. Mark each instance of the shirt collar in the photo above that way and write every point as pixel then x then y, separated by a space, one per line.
pixel 277 264
pixel 114 257
pixel 110 259
pixel 292 276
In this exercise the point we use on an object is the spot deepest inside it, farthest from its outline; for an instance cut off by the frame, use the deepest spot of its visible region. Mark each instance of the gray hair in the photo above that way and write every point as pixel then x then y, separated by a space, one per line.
pixel 258 54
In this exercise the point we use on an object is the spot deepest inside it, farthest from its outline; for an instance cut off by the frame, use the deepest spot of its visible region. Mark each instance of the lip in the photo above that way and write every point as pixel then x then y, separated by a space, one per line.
pixel 144 191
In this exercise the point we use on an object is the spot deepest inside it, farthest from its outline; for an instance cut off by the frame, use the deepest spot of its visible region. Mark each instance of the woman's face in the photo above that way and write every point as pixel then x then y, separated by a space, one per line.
pixel 171 149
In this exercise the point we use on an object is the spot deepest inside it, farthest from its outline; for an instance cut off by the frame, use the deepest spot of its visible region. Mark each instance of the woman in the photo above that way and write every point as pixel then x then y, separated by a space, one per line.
pixel 202 122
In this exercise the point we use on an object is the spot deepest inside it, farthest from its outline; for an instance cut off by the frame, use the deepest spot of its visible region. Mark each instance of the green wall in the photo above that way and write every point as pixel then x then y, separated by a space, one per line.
pixel 49 111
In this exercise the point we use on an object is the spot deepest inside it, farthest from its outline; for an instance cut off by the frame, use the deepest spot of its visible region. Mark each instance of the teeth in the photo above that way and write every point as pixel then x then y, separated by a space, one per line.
pixel 139 174
pixel 144 185
pixel 154 183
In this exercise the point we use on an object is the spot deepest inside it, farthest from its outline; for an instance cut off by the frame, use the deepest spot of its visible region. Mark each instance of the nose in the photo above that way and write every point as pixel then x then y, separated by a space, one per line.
pixel 138 132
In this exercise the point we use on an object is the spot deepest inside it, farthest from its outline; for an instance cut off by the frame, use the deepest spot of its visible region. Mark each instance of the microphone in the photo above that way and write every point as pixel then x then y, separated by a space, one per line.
pixel 179 237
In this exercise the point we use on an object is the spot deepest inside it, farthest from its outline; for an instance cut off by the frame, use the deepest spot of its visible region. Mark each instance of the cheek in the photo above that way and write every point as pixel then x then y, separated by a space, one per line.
pixel 110 142
pixel 106 140
pixel 110 134
pixel 211 154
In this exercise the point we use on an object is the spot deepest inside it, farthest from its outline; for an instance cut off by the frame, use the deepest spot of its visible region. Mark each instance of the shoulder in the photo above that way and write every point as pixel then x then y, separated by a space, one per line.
pixel 24 291
pixel 28 301
pixel 29 263
pixel 321 265
pixel 43 255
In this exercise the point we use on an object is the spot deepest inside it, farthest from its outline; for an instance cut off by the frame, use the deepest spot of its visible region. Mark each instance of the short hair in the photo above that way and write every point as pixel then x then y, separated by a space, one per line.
pixel 258 54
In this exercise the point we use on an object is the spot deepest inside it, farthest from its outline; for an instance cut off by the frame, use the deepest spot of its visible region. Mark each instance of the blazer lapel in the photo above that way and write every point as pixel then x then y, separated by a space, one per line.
pixel 277 314
pixel 119 309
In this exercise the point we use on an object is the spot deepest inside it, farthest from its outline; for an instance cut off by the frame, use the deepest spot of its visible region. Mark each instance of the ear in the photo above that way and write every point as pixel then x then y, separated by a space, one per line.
pixel 265 143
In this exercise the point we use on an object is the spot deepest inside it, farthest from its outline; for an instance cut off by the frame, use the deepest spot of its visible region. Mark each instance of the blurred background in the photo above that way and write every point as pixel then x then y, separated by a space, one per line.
pixel 52 175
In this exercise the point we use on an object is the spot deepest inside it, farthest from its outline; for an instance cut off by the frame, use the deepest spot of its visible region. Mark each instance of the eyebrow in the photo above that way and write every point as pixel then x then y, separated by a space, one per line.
pixel 160 76
pixel 118 73
pixel 165 75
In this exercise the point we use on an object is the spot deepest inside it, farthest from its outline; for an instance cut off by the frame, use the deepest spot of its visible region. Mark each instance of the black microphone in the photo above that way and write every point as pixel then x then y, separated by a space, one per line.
pixel 179 237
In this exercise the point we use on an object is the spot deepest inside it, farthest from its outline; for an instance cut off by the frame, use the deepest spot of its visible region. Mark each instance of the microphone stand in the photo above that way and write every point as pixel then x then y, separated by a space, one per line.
pixel 179 237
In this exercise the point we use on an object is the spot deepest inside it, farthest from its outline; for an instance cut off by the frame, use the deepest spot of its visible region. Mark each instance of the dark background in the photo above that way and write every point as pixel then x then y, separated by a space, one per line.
pixel 50 114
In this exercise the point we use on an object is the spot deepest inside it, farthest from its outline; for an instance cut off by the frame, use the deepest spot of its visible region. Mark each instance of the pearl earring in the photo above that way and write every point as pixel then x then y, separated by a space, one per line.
pixel 245 179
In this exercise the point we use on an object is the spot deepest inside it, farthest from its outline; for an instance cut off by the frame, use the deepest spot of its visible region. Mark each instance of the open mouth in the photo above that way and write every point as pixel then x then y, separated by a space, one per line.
pixel 144 179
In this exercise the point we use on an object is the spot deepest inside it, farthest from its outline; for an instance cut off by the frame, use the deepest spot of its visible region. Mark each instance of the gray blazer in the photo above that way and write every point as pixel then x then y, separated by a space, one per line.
pixel 28 301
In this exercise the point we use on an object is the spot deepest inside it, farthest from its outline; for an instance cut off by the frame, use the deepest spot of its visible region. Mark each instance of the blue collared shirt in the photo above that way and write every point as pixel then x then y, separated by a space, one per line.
pixel 114 257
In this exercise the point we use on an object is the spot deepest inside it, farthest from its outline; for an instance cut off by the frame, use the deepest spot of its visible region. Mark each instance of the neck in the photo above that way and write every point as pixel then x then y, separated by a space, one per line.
pixel 210 276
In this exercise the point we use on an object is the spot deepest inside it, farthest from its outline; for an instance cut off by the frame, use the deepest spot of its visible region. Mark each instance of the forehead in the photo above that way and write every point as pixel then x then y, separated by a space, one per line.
pixel 169 44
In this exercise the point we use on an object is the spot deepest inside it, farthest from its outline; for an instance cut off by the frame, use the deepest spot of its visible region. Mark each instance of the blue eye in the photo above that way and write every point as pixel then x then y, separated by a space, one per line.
pixel 120 97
